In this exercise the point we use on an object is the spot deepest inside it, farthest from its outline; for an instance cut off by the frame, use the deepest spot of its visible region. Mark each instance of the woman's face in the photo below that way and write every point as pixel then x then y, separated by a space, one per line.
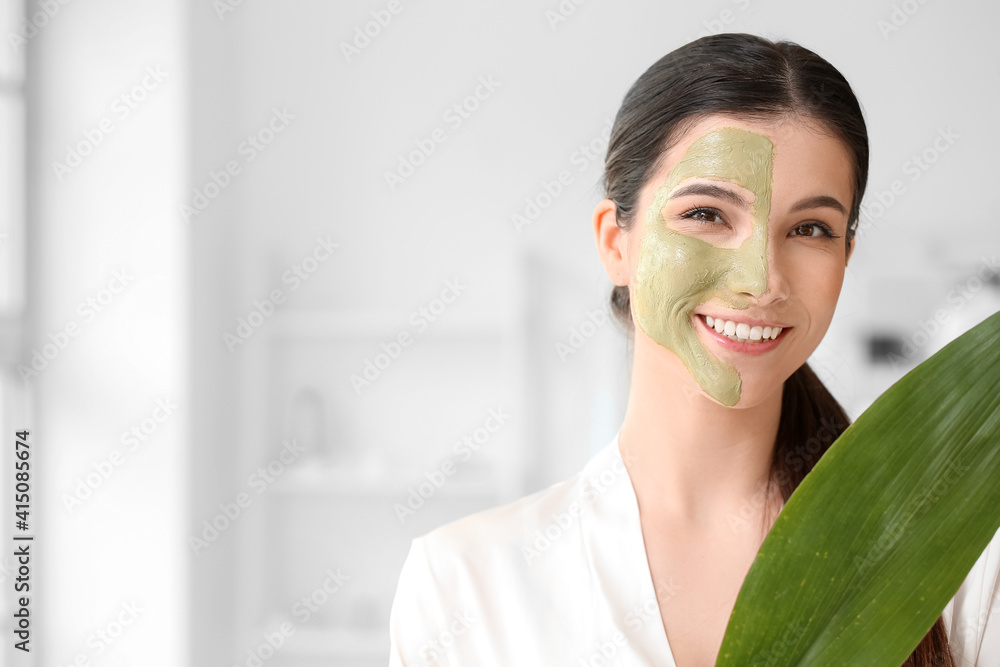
pixel 737 254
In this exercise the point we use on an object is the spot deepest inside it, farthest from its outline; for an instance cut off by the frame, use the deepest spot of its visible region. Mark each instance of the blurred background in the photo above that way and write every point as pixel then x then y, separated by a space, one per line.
pixel 285 285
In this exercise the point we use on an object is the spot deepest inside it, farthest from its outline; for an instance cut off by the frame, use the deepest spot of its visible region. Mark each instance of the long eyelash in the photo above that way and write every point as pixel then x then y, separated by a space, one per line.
pixel 703 209
pixel 827 230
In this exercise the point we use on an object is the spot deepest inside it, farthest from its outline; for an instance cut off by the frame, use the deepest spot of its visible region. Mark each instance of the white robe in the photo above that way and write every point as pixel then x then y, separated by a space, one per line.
pixel 560 577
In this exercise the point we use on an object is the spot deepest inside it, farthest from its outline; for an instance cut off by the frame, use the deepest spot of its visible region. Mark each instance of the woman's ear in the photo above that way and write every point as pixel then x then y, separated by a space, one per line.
pixel 612 242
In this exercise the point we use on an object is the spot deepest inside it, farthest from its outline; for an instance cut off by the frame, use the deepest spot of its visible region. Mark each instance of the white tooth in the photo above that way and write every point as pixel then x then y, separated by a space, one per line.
pixel 742 330
pixel 709 320
pixel 766 333
pixel 720 325
pixel 775 331
pixel 730 328
pixel 756 333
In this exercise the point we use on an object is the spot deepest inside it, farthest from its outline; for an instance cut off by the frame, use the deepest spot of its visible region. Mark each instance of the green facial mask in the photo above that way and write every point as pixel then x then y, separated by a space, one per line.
pixel 676 273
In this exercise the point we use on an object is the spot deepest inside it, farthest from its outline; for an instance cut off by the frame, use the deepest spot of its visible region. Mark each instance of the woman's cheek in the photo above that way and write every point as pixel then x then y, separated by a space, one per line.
pixel 818 281
pixel 665 275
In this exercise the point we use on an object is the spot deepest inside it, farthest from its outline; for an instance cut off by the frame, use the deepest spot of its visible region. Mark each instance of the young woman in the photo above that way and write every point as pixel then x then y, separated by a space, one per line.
pixel 734 177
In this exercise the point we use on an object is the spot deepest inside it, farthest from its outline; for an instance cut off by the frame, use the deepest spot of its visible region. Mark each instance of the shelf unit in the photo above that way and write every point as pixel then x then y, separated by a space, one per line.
pixel 335 504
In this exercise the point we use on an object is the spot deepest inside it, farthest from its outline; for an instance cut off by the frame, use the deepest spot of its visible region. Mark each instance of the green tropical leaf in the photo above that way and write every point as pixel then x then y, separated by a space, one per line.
pixel 879 536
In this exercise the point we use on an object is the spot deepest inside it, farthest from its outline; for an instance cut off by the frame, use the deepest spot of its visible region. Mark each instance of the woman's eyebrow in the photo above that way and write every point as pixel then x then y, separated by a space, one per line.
pixel 819 201
pixel 712 191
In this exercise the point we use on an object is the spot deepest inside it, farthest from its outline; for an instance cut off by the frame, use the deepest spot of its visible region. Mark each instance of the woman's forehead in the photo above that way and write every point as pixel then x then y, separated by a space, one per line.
pixel 791 149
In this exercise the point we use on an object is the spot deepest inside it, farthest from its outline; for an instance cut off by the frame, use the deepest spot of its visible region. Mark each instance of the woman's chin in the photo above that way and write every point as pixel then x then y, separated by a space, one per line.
pixel 753 394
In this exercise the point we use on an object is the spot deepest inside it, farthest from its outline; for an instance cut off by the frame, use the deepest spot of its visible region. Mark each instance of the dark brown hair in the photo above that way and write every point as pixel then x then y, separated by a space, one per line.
pixel 751 78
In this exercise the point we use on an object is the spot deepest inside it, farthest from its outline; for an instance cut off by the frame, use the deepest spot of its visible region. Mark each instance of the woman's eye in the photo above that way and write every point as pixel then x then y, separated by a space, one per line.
pixel 813 229
pixel 708 215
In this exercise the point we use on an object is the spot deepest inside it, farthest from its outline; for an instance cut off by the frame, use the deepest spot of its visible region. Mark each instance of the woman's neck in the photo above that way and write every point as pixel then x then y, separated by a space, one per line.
pixel 692 460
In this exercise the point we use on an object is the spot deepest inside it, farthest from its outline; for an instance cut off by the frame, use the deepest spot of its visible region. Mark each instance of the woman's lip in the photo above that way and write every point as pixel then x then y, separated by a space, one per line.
pixel 739 346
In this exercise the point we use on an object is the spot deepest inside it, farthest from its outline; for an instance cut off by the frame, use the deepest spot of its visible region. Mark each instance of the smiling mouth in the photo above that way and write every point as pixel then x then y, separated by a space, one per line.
pixel 741 331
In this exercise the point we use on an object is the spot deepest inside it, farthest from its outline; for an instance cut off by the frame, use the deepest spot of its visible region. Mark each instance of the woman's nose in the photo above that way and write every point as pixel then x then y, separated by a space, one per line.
pixel 750 271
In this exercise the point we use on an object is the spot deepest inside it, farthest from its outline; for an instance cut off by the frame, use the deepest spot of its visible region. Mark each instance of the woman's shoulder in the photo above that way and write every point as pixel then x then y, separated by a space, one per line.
pixel 533 522
pixel 502 530
pixel 526 554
